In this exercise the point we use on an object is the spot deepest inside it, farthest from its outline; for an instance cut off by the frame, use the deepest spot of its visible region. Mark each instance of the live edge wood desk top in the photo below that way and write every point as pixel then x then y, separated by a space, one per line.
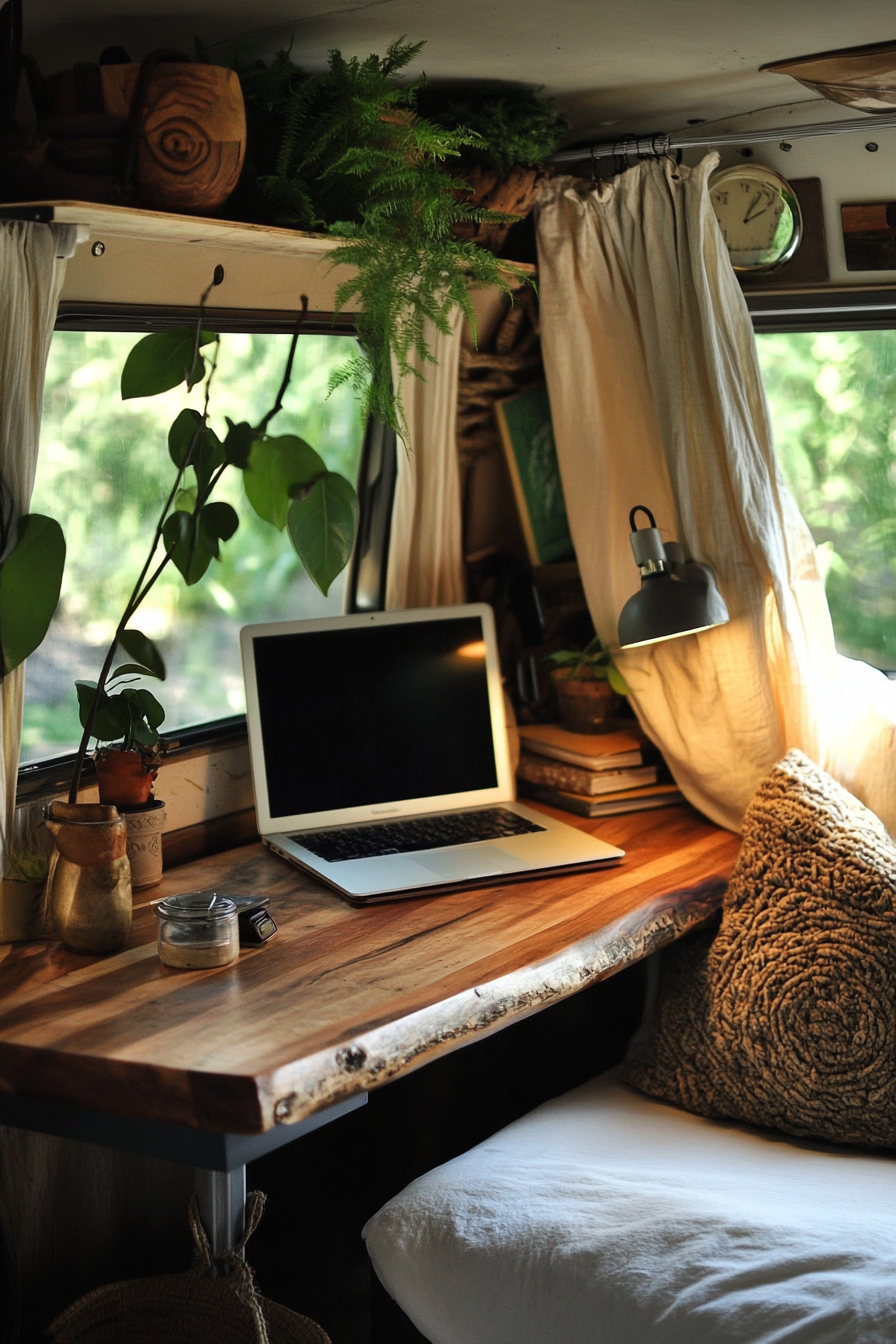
pixel 341 1000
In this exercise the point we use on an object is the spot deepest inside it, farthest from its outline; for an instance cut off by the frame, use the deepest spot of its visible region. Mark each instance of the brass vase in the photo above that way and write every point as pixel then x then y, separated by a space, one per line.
pixel 88 896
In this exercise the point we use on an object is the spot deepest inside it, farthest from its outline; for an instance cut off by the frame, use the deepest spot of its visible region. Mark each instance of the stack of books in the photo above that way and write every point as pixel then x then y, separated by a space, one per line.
pixel 592 774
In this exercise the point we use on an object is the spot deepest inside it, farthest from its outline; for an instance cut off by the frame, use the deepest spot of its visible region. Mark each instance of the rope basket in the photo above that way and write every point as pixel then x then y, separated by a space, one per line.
pixel 188 1308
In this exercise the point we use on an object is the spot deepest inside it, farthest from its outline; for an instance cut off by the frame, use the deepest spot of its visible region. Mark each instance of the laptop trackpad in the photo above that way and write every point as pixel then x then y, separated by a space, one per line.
pixel 466 863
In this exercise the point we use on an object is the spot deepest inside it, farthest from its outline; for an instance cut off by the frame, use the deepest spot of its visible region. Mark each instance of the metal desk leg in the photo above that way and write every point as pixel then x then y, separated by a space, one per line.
pixel 222 1206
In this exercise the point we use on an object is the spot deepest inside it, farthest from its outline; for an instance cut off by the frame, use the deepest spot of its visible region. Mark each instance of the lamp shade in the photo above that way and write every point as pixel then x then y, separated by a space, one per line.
pixel 664 608
pixel 678 596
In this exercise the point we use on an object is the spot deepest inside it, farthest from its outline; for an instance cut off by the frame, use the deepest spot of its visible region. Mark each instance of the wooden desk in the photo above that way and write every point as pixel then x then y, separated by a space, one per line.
pixel 342 1000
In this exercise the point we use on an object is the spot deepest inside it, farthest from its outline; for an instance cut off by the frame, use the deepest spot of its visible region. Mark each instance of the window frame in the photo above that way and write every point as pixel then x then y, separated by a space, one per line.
pixel 859 309
pixel 846 308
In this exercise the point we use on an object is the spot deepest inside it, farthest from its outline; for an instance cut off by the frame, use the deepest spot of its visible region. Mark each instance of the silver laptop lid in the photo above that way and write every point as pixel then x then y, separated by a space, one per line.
pixel 383 714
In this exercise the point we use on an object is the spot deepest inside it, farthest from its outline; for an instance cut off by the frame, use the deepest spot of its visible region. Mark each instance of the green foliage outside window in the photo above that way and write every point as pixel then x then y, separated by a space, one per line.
pixel 832 397
pixel 103 472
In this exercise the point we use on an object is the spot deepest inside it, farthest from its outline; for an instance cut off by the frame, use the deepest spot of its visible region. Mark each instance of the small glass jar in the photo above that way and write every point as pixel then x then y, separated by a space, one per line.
pixel 197 930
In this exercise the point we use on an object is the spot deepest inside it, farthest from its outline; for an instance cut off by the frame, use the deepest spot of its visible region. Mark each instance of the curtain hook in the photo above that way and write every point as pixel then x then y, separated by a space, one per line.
pixel 674 157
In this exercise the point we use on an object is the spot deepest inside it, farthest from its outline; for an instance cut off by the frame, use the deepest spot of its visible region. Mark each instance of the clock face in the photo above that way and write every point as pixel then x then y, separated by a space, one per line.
pixel 758 214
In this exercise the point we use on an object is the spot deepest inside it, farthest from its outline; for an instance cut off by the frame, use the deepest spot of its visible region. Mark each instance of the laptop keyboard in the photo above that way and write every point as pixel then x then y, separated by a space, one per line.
pixel 403 837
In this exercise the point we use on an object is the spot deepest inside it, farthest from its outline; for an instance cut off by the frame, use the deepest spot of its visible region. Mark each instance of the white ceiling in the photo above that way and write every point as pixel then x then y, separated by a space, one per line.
pixel 613 65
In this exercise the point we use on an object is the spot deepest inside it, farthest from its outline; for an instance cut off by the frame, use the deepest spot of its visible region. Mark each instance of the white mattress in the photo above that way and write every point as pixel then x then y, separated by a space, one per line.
pixel 606 1218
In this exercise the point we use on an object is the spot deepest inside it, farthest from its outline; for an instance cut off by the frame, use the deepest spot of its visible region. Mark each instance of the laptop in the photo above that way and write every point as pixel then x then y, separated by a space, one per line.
pixel 380 760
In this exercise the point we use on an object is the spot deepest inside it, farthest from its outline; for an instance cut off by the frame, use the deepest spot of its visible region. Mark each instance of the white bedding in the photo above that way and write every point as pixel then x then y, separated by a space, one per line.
pixel 605 1217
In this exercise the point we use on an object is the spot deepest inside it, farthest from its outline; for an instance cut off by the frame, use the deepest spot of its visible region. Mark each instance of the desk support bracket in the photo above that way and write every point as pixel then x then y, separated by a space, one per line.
pixel 222 1206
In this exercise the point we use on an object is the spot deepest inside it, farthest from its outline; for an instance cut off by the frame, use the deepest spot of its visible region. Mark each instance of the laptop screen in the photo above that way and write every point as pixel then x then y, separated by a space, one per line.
pixel 370 714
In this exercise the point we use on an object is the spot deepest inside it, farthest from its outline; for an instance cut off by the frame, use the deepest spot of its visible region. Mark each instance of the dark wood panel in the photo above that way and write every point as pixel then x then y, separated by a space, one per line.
pixel 209 837
pixel 80 1216
pixel 343 999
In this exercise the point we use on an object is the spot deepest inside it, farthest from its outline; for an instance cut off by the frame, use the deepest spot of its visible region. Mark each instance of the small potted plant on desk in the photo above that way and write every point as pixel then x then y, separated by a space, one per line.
pixel 126 724
pixel 588 686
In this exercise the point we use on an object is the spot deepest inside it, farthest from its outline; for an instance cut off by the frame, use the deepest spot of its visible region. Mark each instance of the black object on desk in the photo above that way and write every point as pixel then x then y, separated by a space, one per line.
pixel 255 921
pixel 256 926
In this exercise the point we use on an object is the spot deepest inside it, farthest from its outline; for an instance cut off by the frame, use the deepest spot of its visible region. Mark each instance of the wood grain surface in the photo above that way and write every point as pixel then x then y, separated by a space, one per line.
pixel 341 1000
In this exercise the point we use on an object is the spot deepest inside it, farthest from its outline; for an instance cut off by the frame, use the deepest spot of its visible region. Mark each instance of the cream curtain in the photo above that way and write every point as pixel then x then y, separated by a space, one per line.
pixel 425 549
pixel 32 268
pixel 657 399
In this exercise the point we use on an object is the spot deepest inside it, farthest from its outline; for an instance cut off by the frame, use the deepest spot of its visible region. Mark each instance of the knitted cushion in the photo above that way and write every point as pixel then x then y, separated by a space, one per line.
pixel 786 1017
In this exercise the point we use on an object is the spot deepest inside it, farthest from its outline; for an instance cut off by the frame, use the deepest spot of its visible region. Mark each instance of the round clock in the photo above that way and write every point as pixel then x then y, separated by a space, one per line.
pixel 759 216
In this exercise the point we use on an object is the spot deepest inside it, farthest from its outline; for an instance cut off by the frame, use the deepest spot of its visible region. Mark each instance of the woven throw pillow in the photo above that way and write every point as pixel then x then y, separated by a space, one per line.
pixel 786 1017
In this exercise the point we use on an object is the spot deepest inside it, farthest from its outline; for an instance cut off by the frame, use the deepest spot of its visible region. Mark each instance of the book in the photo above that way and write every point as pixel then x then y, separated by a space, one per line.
pixel 591 751
pixel 625 800
pixel 576 779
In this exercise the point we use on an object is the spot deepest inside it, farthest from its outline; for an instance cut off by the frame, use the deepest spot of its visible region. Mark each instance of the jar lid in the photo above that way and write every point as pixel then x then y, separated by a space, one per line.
pixel 196 905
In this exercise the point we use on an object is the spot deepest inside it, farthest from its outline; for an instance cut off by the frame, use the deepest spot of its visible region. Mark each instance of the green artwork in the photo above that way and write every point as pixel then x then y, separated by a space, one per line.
pixel 528 437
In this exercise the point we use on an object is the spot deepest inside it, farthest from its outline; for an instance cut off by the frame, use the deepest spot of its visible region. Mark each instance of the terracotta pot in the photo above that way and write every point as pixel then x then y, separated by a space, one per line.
pixel 585 706
pixel 123 778
pixel 145 826
pixel 87 902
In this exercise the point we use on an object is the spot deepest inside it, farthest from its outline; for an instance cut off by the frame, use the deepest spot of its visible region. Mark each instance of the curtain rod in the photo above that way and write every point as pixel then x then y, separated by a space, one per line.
pixel 659 144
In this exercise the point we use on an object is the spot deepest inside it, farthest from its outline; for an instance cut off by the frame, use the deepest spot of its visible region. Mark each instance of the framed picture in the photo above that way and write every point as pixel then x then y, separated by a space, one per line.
pixel 528 438
pixel 869 235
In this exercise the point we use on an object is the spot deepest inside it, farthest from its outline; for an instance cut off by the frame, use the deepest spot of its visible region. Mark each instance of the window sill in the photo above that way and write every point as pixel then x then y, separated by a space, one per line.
pixel 49 777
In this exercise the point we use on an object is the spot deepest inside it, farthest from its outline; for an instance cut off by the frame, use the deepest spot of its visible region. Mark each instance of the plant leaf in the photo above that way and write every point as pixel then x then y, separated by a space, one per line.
pixel 188 549
pixel 30 578
pixel 162 360
pixel 187 425
pixel 113 717
pixel 617 680
pixel 126 668
pixel 238 443
pixel 85 691
pixel 185 500
pixel 146 705
pixel 141 734
pixel 322 527
pixel 143 651
pixel 190 432
pixel 217 522
pixel 208 455
pixel 277 465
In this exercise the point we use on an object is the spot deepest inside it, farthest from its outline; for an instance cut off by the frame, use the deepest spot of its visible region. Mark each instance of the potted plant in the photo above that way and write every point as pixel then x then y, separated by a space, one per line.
pixel 126 723
pixel 516 133
pixel 347 152
pixel 588 686
pixel 286 482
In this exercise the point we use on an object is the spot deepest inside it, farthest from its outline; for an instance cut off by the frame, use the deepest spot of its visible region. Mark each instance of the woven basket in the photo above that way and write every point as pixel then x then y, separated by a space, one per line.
pixel 188 1308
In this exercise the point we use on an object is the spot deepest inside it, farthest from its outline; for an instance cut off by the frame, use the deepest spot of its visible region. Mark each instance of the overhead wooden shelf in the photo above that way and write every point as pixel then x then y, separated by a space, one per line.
pixel 154 226
pixel 149 258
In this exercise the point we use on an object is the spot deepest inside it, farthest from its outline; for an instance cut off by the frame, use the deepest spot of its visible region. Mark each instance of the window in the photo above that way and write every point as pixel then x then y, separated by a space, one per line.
pixel 103 472
pixel 832 397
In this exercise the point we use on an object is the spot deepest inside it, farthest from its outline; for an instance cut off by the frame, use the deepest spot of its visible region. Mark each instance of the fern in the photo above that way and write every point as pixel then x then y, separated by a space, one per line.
pixel 514 126
pixel 347 151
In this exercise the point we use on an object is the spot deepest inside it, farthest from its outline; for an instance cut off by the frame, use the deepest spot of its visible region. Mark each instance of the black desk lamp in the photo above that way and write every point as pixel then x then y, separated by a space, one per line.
pixel 678 596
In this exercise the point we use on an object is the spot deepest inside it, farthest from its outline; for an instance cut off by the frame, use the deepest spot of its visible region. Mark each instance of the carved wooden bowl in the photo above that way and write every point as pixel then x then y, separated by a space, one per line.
pixel 190 132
